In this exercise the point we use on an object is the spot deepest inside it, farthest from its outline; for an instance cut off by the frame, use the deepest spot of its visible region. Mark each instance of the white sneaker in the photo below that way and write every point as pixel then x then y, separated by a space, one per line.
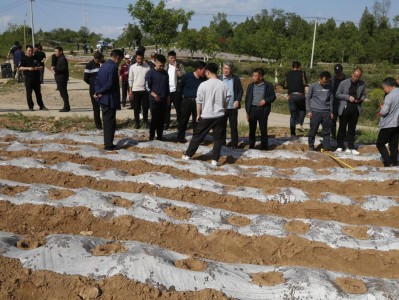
pixel 354 151
pixel 185 157
pixel 338 150
pixel 214 163
pixel 348 151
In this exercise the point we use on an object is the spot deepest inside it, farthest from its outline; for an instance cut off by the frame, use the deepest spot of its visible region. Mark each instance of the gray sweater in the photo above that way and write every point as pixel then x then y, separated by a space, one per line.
pixel 319 98
pixel 390 110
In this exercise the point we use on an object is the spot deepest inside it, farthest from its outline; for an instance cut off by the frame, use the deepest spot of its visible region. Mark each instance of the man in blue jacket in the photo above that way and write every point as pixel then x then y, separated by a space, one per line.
pixel 258 104
pixel 107 93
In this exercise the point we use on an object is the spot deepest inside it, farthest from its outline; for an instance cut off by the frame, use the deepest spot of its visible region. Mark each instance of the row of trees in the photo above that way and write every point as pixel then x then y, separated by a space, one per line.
pixel 275 34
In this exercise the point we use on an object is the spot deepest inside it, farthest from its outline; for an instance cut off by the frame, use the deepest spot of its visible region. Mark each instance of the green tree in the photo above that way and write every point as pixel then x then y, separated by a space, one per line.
pixel 158 21
pixel 189 39
pixel 208 42
pixel 130 36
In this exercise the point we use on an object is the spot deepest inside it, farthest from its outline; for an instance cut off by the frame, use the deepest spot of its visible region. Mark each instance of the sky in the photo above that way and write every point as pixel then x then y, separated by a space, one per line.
pixel 110 17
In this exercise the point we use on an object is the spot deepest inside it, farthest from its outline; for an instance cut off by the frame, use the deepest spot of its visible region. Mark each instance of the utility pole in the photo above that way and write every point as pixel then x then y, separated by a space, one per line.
pixel 314 43
pixel 85 16
pixel 24 33
pixel 33 28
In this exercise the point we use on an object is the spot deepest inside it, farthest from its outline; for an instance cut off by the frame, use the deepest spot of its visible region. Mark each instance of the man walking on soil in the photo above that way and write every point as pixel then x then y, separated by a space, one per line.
pixel 212 100
pixel 30 65
pixel 137 92
pixel 351 93
pixel 90 75
pixel 61 75
pixel 235 88
pixel 41 57
pixel 319 106
pixel 108 94
pixel 258 104
pixel 389 124
pixel 124 76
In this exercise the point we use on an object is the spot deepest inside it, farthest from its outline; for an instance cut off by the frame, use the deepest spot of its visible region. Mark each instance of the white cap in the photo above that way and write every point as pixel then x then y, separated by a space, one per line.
pixel 127 56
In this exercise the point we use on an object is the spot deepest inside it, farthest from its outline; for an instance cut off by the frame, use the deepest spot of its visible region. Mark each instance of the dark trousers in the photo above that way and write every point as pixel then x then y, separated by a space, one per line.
pixel 203 128
pixel 62 87
pixel 324 119
pixel 297 107
pixel 390 136
pixel 109 120
pixel 231 115
pixel 349 118
pixel 42 74
pixel 334 119
pixel 158 112
pixel 140 101
pixel 33 84
pixel 188 108
pixel 125 88
pixel 175 98
pixel 96 111
pixel 258 115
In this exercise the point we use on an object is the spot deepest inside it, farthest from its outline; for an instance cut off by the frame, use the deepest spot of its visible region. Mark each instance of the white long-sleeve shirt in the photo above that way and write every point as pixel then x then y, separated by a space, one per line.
pixel 137 76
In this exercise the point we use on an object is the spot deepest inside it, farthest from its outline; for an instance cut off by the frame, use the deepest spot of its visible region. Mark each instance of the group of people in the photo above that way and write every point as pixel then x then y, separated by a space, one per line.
pixel 32 64
pixel 340 97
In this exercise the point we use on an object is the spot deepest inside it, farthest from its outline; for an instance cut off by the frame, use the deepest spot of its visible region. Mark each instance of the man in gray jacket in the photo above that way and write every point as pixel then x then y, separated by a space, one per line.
pixel 389 123
pixel 351 93
pixel 319 106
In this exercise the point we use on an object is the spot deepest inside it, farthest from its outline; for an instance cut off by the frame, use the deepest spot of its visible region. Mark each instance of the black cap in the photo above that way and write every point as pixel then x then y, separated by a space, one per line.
pixel 338 68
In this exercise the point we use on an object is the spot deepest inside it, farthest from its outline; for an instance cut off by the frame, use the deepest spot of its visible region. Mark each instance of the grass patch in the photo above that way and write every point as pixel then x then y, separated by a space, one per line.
pixel 11 85
pixel 366 136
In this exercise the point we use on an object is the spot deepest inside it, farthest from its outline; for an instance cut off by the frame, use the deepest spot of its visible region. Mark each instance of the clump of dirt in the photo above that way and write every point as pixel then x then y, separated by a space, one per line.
pixel 89 292
pixel 108 249
pixel 296 226
pixel 13 190
pixel 239 221
pixel 178 212
pixel 191 264
pixel 268 279
pixel 122 202
pixel 28 243
pixel 60 194
pixel 357 232
pixel 351 285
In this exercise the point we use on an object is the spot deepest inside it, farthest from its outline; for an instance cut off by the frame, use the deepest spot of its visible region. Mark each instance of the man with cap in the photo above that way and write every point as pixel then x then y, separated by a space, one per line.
pixel 339 76
pixel 124 76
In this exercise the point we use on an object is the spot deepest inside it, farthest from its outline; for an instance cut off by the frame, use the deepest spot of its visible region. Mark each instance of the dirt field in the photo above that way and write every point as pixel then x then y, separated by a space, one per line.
pixel 141 223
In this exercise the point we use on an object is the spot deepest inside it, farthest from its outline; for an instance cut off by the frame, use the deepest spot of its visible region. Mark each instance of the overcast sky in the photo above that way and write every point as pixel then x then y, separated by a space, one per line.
pixel 109 17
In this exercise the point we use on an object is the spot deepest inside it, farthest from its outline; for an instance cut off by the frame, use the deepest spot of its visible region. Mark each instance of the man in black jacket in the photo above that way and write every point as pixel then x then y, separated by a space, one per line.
pixel 258 104
pixel 235 88
pixel 61 75
pixel 90 75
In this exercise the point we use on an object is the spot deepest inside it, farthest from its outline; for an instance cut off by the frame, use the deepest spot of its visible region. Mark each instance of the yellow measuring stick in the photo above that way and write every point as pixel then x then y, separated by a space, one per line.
pixel 337 159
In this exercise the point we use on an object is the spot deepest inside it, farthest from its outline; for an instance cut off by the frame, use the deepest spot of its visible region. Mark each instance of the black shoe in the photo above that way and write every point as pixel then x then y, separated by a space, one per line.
pixel 43 108
pixel 111 148
pixel 183 141
pixel 311 148
pixel 251 146
pixel 151 138
pixel 64 109
pixel 160 139
pixel 166 127
pixel 31 109
pixel 136 126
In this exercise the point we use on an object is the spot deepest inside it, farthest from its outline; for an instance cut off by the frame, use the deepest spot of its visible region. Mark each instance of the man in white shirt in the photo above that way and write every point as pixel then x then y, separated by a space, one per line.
pixel 212 99
pixel 175 71
pixel 137 92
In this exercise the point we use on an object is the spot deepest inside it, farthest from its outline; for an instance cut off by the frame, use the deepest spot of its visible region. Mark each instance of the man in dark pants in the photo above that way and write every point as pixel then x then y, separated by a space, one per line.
pixel 124 76
pixel 296 82
pixel 389 124
pixel 175 71
pixel 90 75
pixel 235 88
pixel 61 75
pixel 108 94
pixel 212 98
pixel 30 65
pixel 137 93
pixel 157 86
pixel 41 57
pixel 319 106
pixel 351 93
pixel 258 104
pixel 339 76
pixel 189 86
